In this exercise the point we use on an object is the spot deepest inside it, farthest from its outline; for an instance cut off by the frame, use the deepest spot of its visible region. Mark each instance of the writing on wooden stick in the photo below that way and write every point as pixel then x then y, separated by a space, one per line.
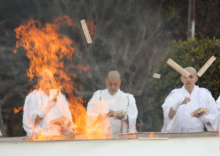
pixel 178 68
pixel 86 31
pixel 206 66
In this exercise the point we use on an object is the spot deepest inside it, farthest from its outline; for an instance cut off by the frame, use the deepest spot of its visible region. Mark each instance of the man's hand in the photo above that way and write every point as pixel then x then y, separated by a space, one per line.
pixel 119 117
pixel 37 120
pixel 198 114
pixel 186 100
pixel 111 113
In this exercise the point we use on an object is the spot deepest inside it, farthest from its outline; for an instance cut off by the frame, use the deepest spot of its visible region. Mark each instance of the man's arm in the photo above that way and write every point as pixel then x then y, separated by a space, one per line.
pixel 172 112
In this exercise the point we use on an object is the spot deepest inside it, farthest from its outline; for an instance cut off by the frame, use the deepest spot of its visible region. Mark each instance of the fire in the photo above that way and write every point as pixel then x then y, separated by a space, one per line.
pixel 151 135
pixel 92 27
pixel 16 110
pixel 47 48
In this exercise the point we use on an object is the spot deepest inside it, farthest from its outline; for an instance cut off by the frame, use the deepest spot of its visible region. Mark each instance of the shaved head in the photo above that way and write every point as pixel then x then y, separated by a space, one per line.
pixel 114 74
pixel 189 82
pixel 46 81
pixel 113 82
pixel 191 69
pixel 46 73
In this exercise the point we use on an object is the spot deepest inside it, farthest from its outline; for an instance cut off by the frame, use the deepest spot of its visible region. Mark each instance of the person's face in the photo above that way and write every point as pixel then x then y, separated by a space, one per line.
pixel 112 84
pixel 190 81
pixel 46 83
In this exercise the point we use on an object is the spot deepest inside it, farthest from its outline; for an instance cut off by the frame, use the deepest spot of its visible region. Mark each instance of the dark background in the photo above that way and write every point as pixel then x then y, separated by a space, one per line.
pixel 130 37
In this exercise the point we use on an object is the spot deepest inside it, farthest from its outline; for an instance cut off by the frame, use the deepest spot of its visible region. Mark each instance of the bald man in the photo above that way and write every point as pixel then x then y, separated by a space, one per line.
pixel 42 106
pixel 117 109
pixel 181 102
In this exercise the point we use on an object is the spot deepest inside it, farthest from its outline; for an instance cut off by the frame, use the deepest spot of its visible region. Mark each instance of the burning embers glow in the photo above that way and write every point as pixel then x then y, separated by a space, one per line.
pixel 151 135
pixel 47 48
pixel 16 110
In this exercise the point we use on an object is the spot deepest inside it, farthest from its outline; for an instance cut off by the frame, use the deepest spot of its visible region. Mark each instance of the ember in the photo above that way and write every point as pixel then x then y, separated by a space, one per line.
pixel 16 110
pixel 151 135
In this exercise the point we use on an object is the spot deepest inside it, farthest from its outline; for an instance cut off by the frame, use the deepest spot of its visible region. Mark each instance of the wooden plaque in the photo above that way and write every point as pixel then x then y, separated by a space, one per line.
pixel 178 68
pixel 206 66
pixel 86 31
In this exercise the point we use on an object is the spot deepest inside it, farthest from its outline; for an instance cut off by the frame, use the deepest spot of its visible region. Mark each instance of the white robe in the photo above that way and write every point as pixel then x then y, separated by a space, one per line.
pixel 182 121
pixel 218 106
pixel 118 101
pixel 38 103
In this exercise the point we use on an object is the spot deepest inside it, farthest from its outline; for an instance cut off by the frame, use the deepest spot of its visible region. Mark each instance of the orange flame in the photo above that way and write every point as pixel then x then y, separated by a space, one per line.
pixel 47 49
pixel 151 135
pixel 92 27
pixel 16 110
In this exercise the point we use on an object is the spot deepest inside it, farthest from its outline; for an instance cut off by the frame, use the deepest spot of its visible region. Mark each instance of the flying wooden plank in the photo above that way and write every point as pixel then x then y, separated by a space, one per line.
pixel 157 76
pixel 86 31
pixel 178 68
pixel 206 66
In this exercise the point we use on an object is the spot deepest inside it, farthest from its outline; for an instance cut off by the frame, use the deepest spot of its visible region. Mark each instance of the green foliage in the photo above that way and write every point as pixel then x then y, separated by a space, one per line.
pixel 192 53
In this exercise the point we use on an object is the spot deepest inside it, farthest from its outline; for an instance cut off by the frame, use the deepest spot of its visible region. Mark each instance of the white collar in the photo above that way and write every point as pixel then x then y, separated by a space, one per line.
pixel 115 93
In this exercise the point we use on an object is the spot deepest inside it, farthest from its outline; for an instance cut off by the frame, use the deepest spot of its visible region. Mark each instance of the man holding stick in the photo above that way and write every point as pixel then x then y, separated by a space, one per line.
pixel 181 102
pixel 44 105
pixel 114 106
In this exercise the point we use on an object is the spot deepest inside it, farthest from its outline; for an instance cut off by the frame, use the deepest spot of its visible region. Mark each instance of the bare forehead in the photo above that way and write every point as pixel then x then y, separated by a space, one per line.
pixel 191 72
pixel 113 80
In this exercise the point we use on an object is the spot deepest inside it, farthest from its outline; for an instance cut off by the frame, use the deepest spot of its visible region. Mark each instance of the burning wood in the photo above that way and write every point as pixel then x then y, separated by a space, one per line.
pixel 178 68
pixel 206 66
pixel 86 31
pixel 157 76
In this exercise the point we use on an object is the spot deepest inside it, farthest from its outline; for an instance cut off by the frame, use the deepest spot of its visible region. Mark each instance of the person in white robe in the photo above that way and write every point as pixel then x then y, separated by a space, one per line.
pixel 106 102
pixel 41 106
pixel 218 116
pixel 181 102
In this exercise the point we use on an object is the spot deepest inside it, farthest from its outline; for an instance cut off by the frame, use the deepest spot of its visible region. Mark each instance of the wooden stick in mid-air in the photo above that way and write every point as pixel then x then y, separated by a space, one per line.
pixel 157 76
pixel 206 66
pixel 86 31
pixel 178 68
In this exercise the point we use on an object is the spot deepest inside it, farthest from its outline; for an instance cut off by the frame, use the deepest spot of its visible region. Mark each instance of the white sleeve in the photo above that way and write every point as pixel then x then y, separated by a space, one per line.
pixel 173 100
pixel 218 104
pixel 94 105
pixel 66 110
pixel 218 107
pixel 132 113
pixel 30 113
pixel 210 120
